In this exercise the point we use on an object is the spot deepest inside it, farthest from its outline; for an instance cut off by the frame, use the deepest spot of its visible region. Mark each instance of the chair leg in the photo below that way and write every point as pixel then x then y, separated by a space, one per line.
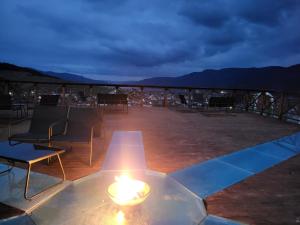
pixel 61 166
pixel 49 145
pixel 26 196
pixel 27 182
pixel 91 152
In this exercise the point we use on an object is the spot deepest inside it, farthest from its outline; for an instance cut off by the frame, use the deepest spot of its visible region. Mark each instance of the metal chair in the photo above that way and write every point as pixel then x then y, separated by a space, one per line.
pixel 46 121
pixel 81 128
pixel 6 104
pixel 50 100
pixel 182 99
pixel 221 102
pixel 113 99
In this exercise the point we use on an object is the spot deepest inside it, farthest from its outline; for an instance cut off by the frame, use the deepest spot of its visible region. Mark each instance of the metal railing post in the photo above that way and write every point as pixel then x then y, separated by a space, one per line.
pixel 281 106
pixel 36 96
pixel 117 90
pixel 90 90
pixel 247 101
pixel 6 87
pixel 166 97
pixel 91 95
pixel 142 97
pixel 263 103
pixel 190 98
pixel 63 93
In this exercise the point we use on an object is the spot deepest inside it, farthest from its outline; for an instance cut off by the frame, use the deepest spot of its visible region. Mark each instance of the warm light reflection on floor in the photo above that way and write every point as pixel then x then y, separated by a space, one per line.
pixel 120 218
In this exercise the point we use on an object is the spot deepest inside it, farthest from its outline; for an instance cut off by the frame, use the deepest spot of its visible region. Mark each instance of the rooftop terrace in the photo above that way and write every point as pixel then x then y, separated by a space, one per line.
pixel 176 139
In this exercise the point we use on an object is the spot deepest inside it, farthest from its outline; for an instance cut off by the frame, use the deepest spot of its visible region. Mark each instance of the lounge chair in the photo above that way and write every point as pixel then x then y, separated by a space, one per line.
pixel 46 121
pixel 6 104
pixel 49 100
pixel 81 128
pixel 182 100
pixel 198 100
pixel 221 102
pixel 82 97
pixel 113 99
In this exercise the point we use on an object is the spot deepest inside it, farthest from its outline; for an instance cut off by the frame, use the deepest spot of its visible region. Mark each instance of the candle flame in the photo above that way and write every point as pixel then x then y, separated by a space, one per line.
pixel 128 191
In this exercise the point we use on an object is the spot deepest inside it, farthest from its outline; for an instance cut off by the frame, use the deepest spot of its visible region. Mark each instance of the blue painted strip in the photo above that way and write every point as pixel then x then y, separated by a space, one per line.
pixel 216 220
pixel 127 138
pixel 210 177
pixel 292 142
pixel 288 146
pixel 250 160
pixel 275 149
pixel 217 174
pixel 125 152
pixel 18 220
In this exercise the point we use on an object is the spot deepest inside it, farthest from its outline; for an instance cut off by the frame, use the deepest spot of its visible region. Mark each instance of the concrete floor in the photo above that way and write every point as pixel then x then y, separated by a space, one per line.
pixel 174 140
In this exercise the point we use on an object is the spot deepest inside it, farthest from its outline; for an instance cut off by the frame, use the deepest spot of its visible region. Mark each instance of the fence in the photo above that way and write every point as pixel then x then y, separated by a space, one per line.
pixel 281 105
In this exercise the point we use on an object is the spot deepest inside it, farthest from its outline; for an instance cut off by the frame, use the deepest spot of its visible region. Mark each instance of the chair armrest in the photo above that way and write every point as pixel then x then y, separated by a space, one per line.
pixel 54 125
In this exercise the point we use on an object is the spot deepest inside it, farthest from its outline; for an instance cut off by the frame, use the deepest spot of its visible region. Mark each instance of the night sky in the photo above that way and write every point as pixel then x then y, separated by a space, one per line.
pixel 136 39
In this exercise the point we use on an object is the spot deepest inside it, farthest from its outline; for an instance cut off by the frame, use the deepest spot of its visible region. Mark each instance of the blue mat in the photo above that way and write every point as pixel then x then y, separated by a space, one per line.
pixel 216 174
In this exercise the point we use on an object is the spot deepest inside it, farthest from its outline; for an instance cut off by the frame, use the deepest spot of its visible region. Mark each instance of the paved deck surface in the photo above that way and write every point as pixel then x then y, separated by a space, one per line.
pixel 271 197
pixel 175 140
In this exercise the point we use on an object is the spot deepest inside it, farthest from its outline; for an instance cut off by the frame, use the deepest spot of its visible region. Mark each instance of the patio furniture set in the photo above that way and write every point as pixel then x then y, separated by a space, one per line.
pixel 52 130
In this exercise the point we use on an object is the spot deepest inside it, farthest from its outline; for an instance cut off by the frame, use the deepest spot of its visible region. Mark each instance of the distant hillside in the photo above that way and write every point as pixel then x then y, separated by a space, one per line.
pixel 270 78
pixel 267 78
pixel 16 73
pixel 72 77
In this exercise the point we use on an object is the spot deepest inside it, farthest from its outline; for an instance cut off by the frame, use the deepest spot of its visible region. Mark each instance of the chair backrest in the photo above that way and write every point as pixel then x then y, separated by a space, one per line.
pixel 221 102
pixel 5 102
pixel 81 96
pixel 81 120
pixel 123 98
pixel 112 99
pixel 182 99
pixel 49 100
pixel 44 116
pixel 198 98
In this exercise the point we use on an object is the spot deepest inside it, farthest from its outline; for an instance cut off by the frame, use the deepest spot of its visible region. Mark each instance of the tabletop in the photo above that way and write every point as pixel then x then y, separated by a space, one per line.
pixel 26 152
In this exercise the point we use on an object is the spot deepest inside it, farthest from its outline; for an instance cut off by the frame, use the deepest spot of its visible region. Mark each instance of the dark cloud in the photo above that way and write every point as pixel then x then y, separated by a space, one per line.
pixel 265 12
pixel 132 39
pixel 142 57
pixel 204 13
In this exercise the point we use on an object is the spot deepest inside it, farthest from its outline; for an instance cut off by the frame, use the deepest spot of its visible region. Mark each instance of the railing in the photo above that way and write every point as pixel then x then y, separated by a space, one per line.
pixel 281 105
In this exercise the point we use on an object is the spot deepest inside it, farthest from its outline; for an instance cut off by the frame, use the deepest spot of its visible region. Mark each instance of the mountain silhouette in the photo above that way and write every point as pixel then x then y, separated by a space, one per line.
pixel 267 78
